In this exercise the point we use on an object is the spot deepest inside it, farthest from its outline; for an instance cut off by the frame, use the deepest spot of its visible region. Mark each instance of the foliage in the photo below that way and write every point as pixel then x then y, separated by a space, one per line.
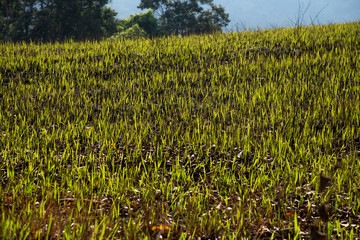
pixel 187 17
pixel 110 24
pixel 145 20
pixel 241 135
pixel 56 20
pixel 137 26
pixel 133 32
pixel 15 19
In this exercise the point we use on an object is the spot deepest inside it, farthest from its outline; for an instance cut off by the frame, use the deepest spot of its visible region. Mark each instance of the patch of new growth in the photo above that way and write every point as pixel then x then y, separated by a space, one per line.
pixel 252 135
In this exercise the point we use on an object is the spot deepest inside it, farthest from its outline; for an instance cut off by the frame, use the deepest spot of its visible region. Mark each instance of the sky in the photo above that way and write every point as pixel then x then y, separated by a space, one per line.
pixel 254 14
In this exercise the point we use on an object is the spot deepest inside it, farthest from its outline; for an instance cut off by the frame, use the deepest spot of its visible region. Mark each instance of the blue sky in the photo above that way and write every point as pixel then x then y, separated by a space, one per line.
pixel 268 14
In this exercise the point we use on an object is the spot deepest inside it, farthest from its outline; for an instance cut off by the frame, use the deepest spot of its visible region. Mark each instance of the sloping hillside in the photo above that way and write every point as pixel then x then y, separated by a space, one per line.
pixel 252 134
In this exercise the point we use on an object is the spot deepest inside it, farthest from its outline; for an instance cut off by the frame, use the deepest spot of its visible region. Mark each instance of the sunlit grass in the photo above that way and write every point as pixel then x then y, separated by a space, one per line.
pixel 142 138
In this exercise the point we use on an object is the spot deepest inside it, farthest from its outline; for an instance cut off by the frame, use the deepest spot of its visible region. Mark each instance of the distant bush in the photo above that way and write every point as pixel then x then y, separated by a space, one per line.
pixel 133 32
pixel 137 26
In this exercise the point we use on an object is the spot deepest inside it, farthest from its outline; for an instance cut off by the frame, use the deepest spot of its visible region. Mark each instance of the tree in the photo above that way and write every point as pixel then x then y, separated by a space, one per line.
pixel 15 18
pixel 145 21
pixel 56 20
pixel 76 19
pixel 137 26
pixel 187 16
pixel 109 22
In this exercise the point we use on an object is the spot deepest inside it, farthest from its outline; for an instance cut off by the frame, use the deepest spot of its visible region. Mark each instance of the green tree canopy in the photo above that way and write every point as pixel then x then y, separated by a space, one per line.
pixel 137 26
pixel 187 16
pixel 133 32
pixel 145 21
pixel 56 20
pixel 15 18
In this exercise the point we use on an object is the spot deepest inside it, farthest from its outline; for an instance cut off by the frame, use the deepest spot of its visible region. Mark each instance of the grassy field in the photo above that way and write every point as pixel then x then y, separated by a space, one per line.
pixel 252 135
